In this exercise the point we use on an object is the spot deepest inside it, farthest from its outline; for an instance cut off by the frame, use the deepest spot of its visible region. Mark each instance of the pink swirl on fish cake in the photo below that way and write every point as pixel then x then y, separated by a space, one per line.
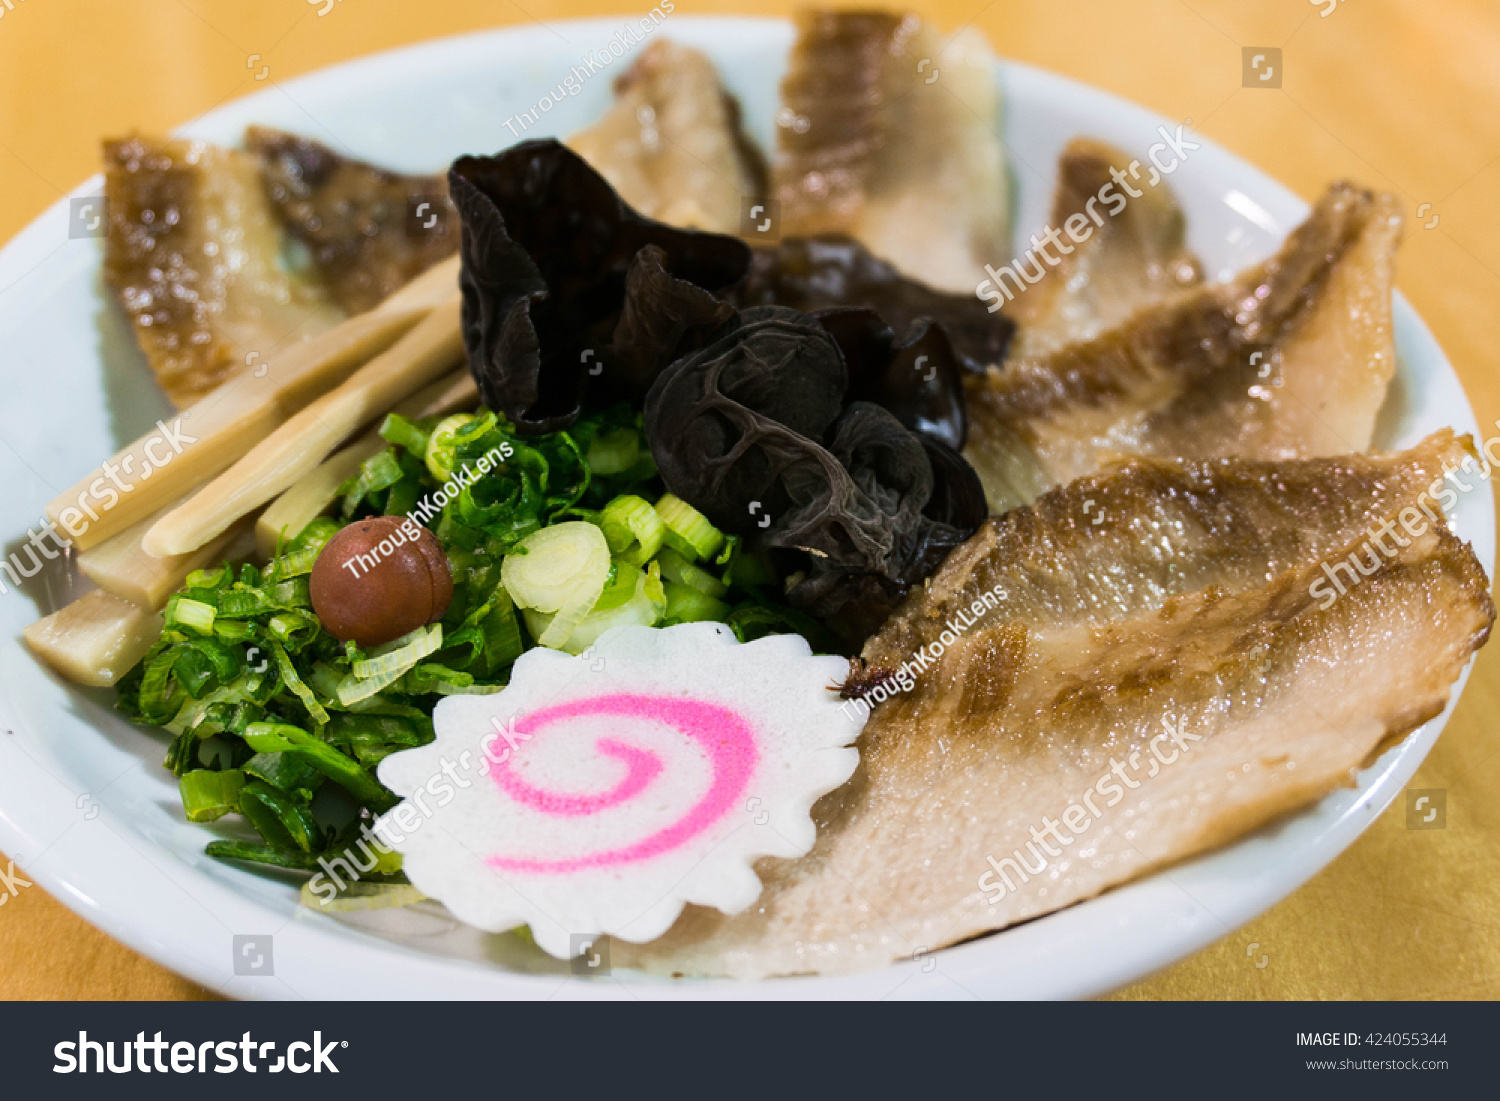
pixel 724 736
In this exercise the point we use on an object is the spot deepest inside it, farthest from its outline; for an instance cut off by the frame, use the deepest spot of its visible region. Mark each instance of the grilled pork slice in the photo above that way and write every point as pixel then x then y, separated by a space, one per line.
pixel 1291 359
pixel 192 253
pixel 1138 667
pixel 1125 262
pixel 672 144
pixel 370 231
pixel 891 137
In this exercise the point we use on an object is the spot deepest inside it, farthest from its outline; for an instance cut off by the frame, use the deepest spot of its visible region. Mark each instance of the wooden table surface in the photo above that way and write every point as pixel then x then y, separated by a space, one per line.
pixel 1402 95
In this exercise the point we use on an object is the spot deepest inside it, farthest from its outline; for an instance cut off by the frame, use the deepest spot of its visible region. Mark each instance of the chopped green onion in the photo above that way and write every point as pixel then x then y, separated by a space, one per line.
pixel 560 570
pixel 688 530
pixel 294 563
pixel 317 534
pixel 285 595
pixel 640 610
pixel 444 689
pixel 208 795
pixel 751 620
pixel 232 630
pixel 431 676
pixel 686 604
pixel 353 689
pixel 192 614
pixel 403 433
pixel 293 628
pixel 287 771
pixel 676 568
pixel 209 579
pixel 369 737
pixel 750 571
pixel 614 451
pixel 624 581
pixel 342 769
pixel 241 603
pixel 380 471
pixel 285 822
pixel 502 634
pixel 654 591
pixel 404 496
pixel 193 672
pixel 194 713
pixel 266 707
pixel 632 528
pixel 294 682
pixel 442 446
pixel 388 664
pixel 252 853
pixel 402 654
pixel 158 694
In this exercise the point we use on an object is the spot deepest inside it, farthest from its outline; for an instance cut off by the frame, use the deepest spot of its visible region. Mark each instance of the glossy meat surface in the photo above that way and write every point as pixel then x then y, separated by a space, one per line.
pixel 1173 671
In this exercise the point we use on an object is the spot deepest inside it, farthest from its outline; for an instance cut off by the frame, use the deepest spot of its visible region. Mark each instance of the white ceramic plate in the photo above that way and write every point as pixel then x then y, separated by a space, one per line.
pixel 87 811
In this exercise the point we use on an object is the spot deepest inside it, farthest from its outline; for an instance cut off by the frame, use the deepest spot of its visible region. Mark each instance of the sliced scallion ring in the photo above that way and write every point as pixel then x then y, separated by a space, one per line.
pixel 632 528
pixel 686 604
pixel 688 530
pixel 676 568
pixel 442 444
pixel 562 566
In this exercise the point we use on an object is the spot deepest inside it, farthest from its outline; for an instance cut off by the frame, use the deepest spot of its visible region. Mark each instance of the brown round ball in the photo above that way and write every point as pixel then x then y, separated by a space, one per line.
pixel 373 582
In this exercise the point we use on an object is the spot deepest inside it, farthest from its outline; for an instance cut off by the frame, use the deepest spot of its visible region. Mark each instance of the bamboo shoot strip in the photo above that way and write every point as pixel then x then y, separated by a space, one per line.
pixel 455 394
pixel 95 640
pixel 315 492
pixel 430 350
pixel 432 288
pixel 312 495
pixel 224 425
pixel 119 565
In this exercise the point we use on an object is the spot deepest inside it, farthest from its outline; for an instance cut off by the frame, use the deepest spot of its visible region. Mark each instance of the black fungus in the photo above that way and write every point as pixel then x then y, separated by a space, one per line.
pixel 547 247
pixel 759 425
pixel 918 378
pixel 811 384
pixel 662 318
pixel 820 273
pixel 736 423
